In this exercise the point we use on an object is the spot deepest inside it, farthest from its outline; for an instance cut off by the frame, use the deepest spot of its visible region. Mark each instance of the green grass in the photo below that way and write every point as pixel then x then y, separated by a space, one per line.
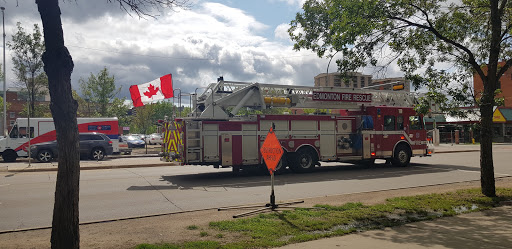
pixel 301 224
pixel 192 227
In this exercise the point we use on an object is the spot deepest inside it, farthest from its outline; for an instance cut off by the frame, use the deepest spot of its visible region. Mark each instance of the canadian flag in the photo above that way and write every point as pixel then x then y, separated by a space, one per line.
pixel 158 89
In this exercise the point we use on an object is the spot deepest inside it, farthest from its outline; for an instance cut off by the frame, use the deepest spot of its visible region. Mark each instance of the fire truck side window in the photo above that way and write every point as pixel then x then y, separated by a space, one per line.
pixel 367 123
pixel 389 123
pixel 415 123
pixel 400 122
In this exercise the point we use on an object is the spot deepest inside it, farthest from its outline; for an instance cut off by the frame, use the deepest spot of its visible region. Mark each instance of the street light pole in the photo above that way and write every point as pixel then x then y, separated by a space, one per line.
pixel 5 87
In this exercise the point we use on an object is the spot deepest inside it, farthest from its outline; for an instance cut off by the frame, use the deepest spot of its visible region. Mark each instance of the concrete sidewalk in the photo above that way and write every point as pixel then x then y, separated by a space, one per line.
pixel 153 160
pixel 487 229
pixel 149 160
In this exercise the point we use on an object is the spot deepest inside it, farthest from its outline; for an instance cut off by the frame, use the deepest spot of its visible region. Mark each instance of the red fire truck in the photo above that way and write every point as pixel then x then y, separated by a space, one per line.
pixel 361 126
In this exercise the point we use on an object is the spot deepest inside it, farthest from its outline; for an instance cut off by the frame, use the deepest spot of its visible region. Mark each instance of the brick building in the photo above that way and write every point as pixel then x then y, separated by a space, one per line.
pixel 505 84
pixel 16 100
pixel 502 117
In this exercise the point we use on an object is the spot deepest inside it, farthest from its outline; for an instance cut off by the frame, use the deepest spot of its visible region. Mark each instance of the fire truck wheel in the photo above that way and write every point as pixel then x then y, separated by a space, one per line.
pixel 402 156
pixel 280 167
pixel 9 156
pixel 304 160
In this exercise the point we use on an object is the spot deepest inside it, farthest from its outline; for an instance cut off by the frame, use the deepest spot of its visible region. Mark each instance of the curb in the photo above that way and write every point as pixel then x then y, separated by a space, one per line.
pixel 455 151
pixel 145 165
pixel 94 167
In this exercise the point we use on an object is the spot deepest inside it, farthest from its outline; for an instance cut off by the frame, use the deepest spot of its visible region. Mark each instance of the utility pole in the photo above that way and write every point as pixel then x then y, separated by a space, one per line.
pixel 5 84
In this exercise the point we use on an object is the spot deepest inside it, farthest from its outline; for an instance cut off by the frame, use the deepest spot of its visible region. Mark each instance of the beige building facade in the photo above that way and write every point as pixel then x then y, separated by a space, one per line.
pixel 359 80
pixel 355 80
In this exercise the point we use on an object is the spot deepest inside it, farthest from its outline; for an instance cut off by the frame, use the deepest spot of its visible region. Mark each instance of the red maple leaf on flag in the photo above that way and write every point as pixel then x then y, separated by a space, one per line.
pixel 151 91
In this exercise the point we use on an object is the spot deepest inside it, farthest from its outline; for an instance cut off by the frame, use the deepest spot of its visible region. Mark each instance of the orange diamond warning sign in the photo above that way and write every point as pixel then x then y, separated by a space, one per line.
pixel 271 151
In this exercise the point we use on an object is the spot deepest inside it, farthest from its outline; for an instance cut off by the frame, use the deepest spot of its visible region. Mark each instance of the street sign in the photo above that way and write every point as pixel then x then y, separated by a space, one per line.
pixel 271 151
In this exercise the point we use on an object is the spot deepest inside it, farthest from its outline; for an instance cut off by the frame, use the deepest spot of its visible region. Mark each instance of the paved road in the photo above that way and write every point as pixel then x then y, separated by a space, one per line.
pixel 26 199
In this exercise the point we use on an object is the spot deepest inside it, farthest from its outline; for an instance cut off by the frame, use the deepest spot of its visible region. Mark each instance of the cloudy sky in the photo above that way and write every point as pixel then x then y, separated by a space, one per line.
pixel 240 40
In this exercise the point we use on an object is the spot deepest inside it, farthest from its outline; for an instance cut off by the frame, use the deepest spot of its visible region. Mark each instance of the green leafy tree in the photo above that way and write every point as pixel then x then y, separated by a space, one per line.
pixel 162 109
pixel 119 109
pixel 451 38
pixel 99 89
pixel 38 111
pixel 2 105
pixel 142 121
pixel 28 64
pixel 58 65
pixel 83 109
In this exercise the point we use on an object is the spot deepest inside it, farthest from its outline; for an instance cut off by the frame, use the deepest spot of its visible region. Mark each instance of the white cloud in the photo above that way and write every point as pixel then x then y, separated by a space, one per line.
pixel 281 31
pixel 195 45
pixel 293 2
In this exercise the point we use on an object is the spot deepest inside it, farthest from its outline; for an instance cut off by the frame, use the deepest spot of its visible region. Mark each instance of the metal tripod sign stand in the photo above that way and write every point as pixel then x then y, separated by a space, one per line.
pixel 271 152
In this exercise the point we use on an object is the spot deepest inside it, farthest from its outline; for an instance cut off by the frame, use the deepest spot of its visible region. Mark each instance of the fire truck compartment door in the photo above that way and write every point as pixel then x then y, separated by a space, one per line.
pixel 327 140
pixel 250 150
pixel 367 146
pixel 227 149
pixel 211 142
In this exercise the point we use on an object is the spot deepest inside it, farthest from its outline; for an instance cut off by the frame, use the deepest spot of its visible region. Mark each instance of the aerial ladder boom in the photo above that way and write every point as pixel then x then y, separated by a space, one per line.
pixel 218 98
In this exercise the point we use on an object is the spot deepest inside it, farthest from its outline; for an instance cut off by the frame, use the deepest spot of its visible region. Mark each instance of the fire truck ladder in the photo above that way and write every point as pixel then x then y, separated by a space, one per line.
pixel 218 98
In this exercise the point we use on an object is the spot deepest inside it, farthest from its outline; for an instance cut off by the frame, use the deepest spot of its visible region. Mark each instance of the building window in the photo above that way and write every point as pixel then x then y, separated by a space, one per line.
pixel 11 123
pixel 337 82
pixel 497 131
pixel 12 114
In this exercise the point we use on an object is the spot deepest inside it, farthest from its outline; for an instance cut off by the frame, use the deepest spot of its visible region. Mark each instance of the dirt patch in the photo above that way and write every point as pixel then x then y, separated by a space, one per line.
pixel 174 228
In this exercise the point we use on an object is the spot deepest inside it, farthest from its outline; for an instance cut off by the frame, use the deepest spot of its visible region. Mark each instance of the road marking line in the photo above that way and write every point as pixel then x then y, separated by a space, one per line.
pixel 496 174
pixel 5 185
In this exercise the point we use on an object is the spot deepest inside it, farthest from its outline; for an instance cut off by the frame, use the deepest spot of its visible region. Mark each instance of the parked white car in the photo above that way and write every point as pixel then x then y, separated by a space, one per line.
pixel 155 138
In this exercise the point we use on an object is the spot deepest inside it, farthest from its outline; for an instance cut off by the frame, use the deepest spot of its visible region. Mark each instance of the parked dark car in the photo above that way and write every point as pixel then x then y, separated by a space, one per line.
pixel 92 145
pixel 134 141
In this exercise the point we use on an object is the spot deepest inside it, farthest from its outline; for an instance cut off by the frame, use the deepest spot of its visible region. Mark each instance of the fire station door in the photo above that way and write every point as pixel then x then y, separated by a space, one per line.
pixel 227 149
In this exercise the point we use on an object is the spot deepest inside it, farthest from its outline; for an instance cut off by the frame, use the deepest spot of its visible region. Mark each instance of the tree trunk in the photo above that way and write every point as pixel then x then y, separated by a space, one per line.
pixel 58 65
pixel 487 103
pixel 487 181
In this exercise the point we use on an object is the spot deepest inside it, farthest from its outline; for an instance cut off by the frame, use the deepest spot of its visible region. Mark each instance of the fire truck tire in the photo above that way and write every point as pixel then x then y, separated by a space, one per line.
pixel 236 169
pixel 280 167
pixel 304 160
pixel 402 156
pixel 9 156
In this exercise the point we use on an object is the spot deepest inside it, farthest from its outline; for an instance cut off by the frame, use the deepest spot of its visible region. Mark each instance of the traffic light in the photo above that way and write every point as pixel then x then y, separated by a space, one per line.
pixel 398 87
